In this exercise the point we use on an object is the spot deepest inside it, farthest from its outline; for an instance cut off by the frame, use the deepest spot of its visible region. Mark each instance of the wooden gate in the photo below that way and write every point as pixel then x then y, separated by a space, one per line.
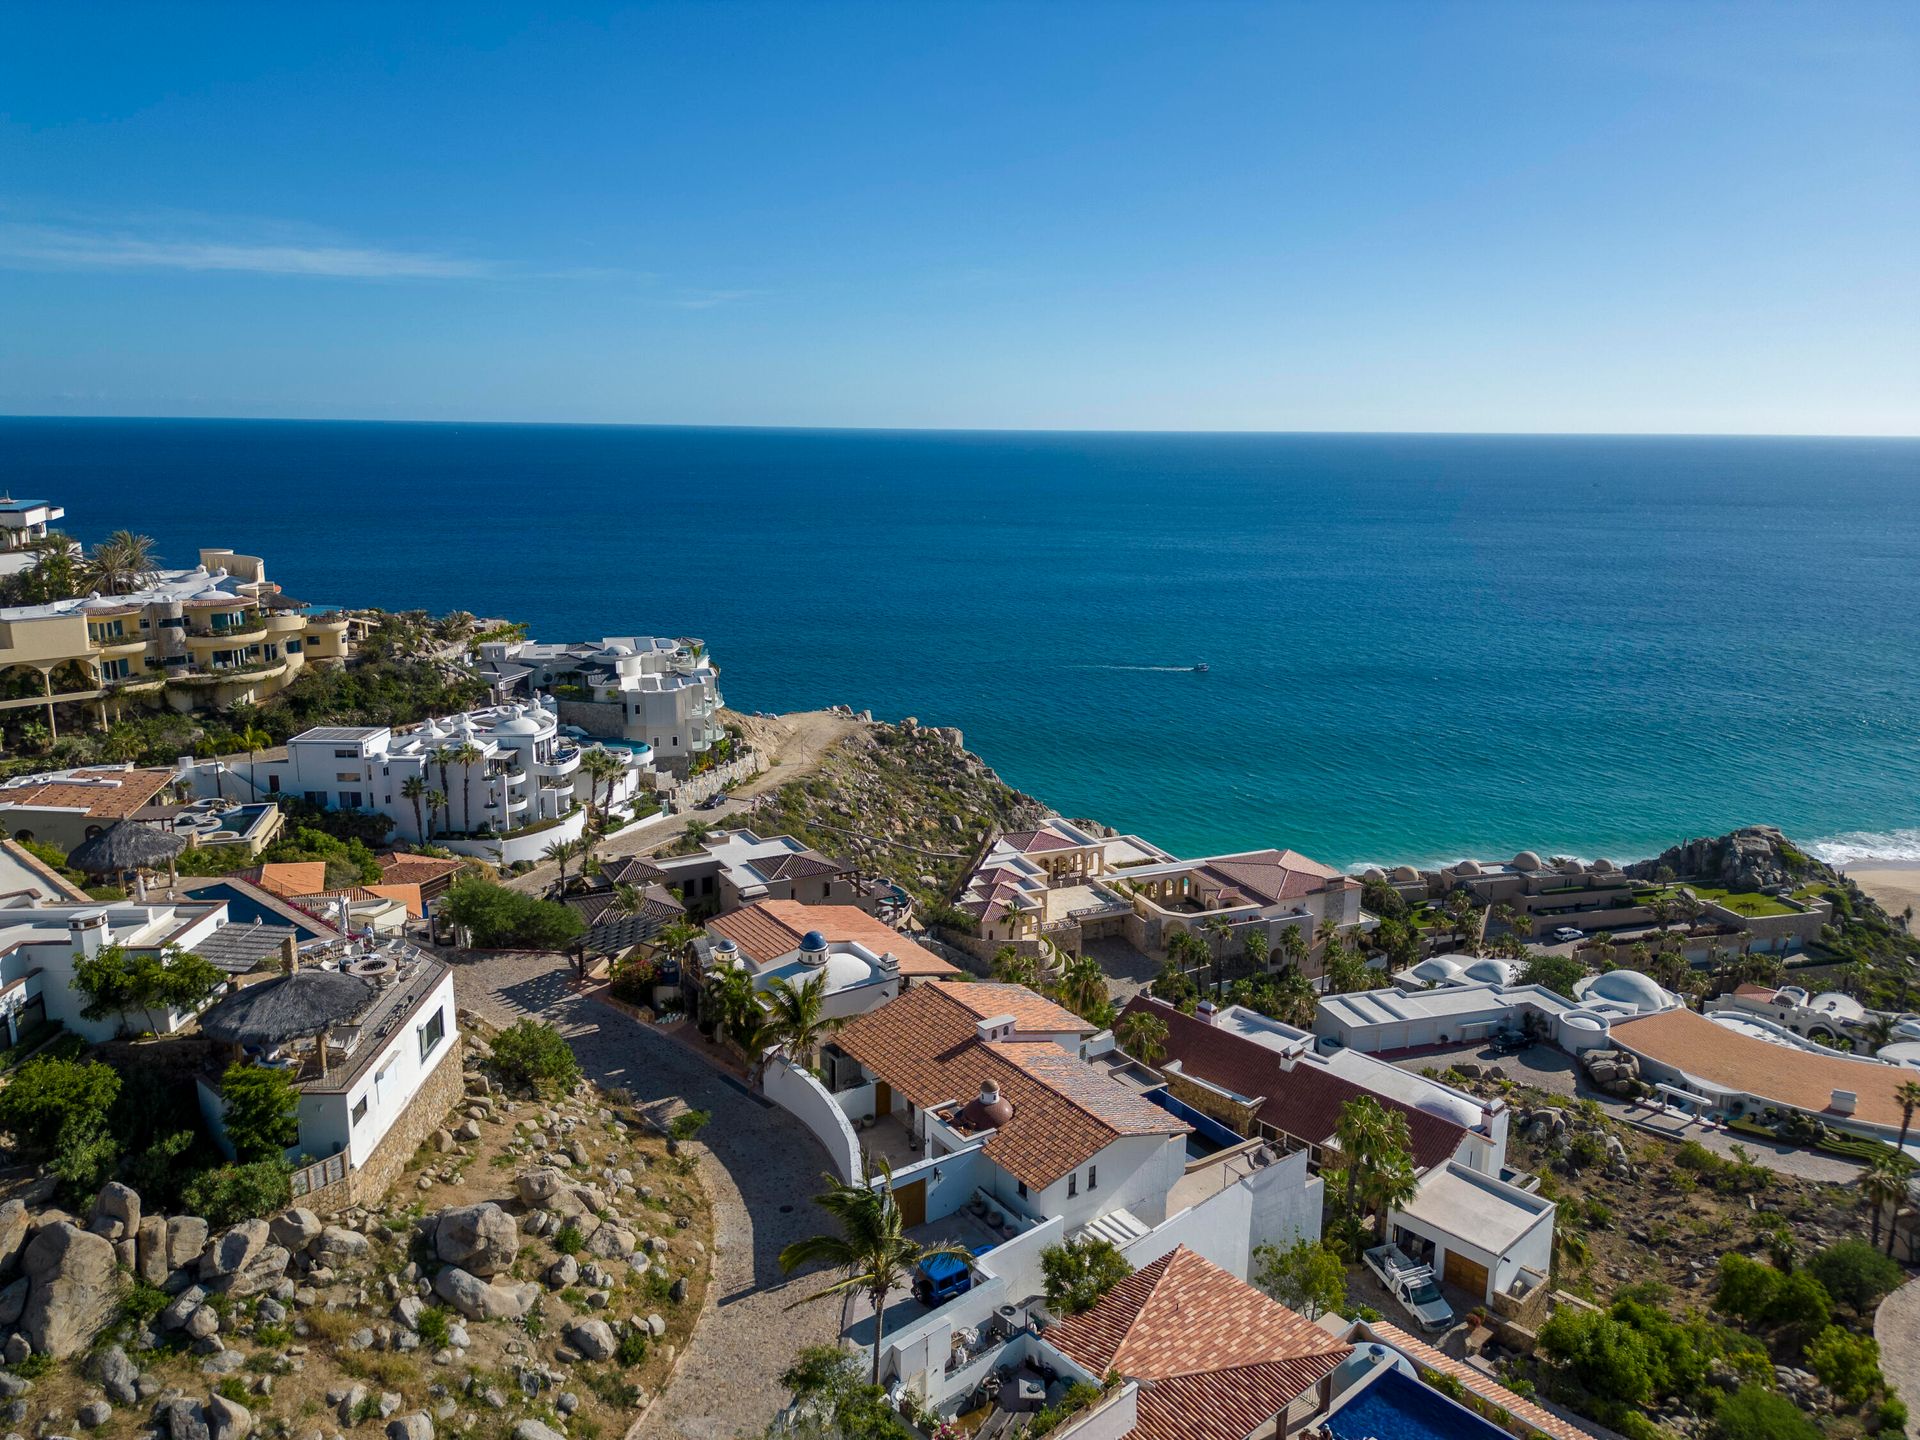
pixel 882 1098
pixel 1467 1275
pixel 911 1198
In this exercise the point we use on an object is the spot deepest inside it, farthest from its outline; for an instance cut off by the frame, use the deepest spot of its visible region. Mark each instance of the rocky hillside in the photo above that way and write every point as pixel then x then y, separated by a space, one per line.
pixel 533 1277
pixel 1758 857
pixel 906 801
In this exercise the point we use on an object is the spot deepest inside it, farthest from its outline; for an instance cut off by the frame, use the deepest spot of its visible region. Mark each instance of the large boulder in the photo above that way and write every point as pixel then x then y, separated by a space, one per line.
pixel 264 1271
pixel 295 1229
pixel 13 1302
pixel 534 1430
pixel 233 1250
pixel 337 1246
pixel 480 1239
pixel 72 1292
pixel 116 1211
pixel 416 1426
pixel 186 1241
pixel 478 1300
pixel 227 1419
pixel 184 1419
pixel 593 1339
pixel 150 1250
pixel 537 1187
pixel 117 1375
pixel 14 1219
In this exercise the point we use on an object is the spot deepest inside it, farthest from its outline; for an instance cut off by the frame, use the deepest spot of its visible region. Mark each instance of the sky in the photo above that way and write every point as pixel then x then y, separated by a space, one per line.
pixel 1199 216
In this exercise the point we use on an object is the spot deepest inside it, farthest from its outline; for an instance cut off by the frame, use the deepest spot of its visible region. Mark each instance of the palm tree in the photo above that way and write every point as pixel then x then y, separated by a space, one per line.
pixel 256 740
pixel 1362 1134
pixel 1907 1096
pixel 414 787
pixel 121 563
pixel 1467 920
pixel 1142 1034
pixel 1602 951
pixel 872 1247
pixel 799 1015
pixel 1292 946
pixel 1884 1187
pixel 600 764
pixel 696 831
pixel 563 853
pixel 1295 998
pixel 443 757
pixel 1219 931
pixel 1084 986
pixel 1392 1180
pixel 1258 949
pixel 437 803
pixel 1662 908
pixel 1011 967
pixel 467 755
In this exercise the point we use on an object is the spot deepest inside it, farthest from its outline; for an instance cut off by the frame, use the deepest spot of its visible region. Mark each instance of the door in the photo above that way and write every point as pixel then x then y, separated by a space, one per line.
pixel 882 1098
pixel 1467 1275
pixel 912 1202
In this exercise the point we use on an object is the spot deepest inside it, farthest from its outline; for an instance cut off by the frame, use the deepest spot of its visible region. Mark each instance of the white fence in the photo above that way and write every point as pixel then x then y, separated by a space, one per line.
pixel 798 1093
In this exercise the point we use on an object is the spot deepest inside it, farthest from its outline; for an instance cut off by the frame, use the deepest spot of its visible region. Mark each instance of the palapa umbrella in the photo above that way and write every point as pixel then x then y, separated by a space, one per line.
pixel 124 847
pixel 292 1007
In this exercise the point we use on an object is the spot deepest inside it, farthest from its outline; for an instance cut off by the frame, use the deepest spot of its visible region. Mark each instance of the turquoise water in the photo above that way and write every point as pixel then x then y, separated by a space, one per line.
pixel 1420 646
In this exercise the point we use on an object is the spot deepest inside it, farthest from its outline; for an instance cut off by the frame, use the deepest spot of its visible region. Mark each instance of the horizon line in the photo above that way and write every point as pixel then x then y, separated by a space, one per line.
pixel 10 417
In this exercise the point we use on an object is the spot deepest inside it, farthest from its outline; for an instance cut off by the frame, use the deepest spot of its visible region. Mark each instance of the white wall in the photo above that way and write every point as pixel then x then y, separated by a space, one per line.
pixel 1219 1229
pixel 1135 1173
pixel 806 1099
pixel 1287 1201
pixel 327 1124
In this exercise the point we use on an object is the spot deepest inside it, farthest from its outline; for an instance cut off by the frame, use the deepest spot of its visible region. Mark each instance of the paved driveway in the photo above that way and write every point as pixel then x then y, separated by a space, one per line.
pixel 763 1172
pixel 1897 1328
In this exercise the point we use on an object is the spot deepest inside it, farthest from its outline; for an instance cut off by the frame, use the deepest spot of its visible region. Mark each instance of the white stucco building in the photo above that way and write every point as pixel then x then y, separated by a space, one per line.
pixel 648 689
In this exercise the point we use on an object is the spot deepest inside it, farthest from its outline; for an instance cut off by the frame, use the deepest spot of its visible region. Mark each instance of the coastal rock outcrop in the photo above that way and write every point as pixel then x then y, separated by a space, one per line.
pixel 70 1291
pixel 1757 857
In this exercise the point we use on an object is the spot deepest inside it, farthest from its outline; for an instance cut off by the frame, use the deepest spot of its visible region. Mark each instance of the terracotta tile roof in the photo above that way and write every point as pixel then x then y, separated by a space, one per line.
pixel 768 929
pixel 407 895
pixel 1028 841
pixel 1305 1101
pixel 289 879
pixel 1482 1385
pixel 1785 1075
pixel 1756 992
pixel 125 792
pixel 1272 876
pixel 403 869
pixel 634 870
pixel 926 1046
pixel 1215 1358
pixel 794 867
pixel 1032 1014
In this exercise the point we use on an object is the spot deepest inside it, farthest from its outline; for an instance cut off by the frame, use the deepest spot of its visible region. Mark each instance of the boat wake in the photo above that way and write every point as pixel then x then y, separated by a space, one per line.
pixel 1147 669
pixel 1863 847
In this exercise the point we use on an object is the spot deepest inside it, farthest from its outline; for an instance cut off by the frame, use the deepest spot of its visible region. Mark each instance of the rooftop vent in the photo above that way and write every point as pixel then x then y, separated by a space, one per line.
pixel 1205 1011
pixel 995 1027
pixel 1843 1102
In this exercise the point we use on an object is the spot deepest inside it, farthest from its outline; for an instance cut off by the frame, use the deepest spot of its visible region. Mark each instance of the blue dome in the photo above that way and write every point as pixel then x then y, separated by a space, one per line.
pixel 813 940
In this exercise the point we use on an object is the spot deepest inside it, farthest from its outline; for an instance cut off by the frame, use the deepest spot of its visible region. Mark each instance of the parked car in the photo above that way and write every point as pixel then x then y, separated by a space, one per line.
pixel 713 801
pixel 940 1278
pixel 1413 1286
pixel 1567 932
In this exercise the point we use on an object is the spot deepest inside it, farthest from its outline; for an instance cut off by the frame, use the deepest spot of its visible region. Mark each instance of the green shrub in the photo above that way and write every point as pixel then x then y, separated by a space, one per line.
pixel 229 1194
pixel 535 1057
pixel 1855 1274
pixel 1079 1272
pixel 498 918
pixel 1847 1364
pixel 688 1123
pixel 49 1094
pixel 632 1348
pixel 142 1302
pixel 262 1111
pixel 1754 1412
pixel 435 1329
pixel 569 1241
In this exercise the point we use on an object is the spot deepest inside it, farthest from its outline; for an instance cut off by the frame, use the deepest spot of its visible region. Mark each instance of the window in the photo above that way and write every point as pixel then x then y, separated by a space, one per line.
pixel 360 1110
pixel 432 1033
pixel 346 754
pixel 346 774
pixel 1093 1176
pixel 1073 1183
pixel 1020 1188
pixel 273 784
pixel 349 799
pixel 293 647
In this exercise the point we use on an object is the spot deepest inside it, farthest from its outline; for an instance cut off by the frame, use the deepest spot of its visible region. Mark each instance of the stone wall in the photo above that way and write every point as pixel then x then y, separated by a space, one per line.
pixel 371 1177
pixel 1239 1118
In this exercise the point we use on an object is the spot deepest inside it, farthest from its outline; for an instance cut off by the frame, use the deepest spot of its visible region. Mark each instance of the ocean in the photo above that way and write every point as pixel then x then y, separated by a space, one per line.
pixel 1419 647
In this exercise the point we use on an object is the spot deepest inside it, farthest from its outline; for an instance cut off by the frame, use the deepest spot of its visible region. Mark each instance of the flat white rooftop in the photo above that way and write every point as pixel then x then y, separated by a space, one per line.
pixel 1482 1211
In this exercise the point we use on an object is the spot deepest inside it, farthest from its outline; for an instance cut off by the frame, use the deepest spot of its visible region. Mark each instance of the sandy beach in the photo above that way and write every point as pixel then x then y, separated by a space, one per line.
pixel 1894 883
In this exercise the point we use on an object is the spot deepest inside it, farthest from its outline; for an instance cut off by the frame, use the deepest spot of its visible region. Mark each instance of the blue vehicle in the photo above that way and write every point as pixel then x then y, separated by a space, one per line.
pixel 940 1278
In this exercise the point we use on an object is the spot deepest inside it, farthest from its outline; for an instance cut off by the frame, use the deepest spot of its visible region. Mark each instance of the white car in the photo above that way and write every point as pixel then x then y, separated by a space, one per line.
pixel 1567 932
pixel 1413 1286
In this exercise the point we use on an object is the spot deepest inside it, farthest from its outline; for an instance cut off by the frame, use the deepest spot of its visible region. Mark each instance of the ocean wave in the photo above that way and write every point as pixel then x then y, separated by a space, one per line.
pixel 1860 847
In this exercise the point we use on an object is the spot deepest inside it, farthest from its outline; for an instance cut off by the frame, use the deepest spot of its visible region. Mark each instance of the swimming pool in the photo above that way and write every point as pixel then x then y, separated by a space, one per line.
pixel 1397 1408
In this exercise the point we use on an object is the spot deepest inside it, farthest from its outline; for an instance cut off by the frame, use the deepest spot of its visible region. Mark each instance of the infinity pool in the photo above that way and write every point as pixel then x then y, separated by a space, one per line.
pixel 1396 1408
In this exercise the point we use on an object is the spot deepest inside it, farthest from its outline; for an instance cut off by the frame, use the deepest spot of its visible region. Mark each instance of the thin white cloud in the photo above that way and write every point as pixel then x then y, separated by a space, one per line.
pixel 50 247
pixel 709 299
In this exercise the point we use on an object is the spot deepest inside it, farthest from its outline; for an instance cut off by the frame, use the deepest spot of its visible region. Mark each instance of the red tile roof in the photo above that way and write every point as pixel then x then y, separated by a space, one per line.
pixel 768 929
pixel 1028 841
pixel 1303 1102
pixel 1272 876
pixel 926 1046
pixel 1215 1358
pixel 114 795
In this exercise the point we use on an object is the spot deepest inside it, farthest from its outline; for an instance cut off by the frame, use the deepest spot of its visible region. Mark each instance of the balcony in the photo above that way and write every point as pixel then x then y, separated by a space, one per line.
pixel 563 764
pixel 237 638
pixel 286 623
pixel 333 624
pixel 111 646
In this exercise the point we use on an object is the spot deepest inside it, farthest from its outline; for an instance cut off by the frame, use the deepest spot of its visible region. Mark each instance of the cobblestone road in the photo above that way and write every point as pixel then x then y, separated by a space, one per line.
pixel 763 1171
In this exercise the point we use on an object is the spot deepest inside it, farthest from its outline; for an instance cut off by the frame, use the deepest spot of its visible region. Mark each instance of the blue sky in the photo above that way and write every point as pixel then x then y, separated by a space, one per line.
pixel 1183 216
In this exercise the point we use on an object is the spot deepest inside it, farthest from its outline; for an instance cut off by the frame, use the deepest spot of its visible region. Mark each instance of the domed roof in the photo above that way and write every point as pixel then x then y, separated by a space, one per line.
pixel 1569 867
pixel 1373 872
pixel 1526 860
pixel 1437 970
pixel 813 940
pixel 1627 987
pixel 1604 867
pixel 1467 867
pixel 1489 972
pixel 1841 1007
pixel 618 650
pixel 1457 1108
pixel 1405 872
pixel 988 1110
pixel 846 970
pixel 1901 1052
pixel 519 725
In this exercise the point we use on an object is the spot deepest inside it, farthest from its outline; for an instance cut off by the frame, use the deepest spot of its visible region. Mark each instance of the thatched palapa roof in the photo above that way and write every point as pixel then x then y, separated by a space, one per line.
pixel 290 1008
pixel 126 846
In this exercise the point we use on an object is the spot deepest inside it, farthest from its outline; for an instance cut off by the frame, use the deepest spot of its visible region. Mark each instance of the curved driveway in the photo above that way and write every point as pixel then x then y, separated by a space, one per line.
pixel 763 1172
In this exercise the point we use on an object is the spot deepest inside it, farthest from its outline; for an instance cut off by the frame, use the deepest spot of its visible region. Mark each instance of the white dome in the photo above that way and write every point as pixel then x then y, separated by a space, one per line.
pixel 519 725
pixel 845 970
pixel 1457 1108
pixel 1489 972
pixel 1467 867
pixel 1570 867
pixel 1437 970
pixel 1373 872
pixel 1405 872
pixel 1526 860
pixel 1901 1052
pixel 1603 867
pixel 1627 988
pixel 1841 1007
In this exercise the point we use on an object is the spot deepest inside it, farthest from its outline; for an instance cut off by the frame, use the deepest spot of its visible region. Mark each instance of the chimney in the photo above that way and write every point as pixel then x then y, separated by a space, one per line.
pixel 996 1027
pixel 88 931
pixel 1205 1011
pixel 989 1093
pixel 290 953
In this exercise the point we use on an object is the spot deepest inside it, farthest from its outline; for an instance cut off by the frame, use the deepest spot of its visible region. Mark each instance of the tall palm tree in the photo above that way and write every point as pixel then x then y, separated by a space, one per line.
pixel 1083 984
pixel 1391 1180
pixel 1219 931
pixel 1259 948
pixel 799 1015
pixel 442 756
pixel 467 755
pixel 1142 1035
pixel 872 1247
pixel 1884 1187
pixel 414 788
pixel 437 803
pixel 120 563
pixel 1907 1096
pixel 1295 998
pixel 256 740
pixel 1365 1136
pixel 562 853
pixel 1292 946
pixel 600 765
